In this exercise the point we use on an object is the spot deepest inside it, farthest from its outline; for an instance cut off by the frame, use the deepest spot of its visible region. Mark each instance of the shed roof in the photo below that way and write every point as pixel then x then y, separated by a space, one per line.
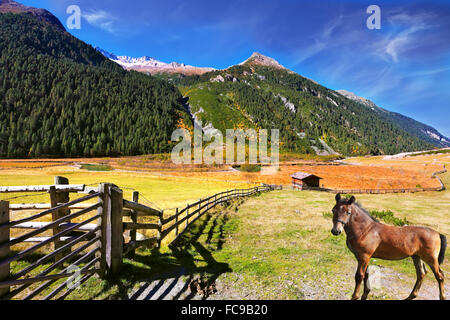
pixel 303 175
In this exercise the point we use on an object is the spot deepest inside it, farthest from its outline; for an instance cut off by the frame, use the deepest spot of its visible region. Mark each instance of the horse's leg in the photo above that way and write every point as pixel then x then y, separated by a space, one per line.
pixel 367 287
pixel 439 274
pixel 363 262
pixel 420 272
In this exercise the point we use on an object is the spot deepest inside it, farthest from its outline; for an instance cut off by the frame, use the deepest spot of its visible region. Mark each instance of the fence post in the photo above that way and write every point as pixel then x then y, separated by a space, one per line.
pixel 134 219
pixel 58 197
pixel 4 238
pixel 105 202
pixel 176 222
pixel 160 218
pixel 199 206
pixel 187 219
pixel 115 231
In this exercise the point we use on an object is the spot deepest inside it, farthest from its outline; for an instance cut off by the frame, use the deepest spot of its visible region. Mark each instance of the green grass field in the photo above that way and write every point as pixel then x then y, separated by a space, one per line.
pixel 162 191
pixel 279 246
pixel 275 246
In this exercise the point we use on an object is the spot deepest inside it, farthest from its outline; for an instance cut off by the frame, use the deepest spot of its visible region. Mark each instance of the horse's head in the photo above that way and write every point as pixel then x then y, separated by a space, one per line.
pixel 341 214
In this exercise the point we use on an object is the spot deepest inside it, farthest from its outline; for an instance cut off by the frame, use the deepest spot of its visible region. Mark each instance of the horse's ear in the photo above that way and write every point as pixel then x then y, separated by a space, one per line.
pixel 352 200
pixel 338 197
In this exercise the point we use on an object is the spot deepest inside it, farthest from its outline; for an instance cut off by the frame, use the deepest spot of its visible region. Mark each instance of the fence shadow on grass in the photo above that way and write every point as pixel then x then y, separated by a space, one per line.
pixel 168 274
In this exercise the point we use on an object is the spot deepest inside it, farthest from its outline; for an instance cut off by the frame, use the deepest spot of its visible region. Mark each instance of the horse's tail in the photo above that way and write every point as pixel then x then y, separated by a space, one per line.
pixel 443 248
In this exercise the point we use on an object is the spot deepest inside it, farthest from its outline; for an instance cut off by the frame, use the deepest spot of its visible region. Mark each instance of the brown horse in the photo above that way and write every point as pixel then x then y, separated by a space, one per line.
pixel 367 238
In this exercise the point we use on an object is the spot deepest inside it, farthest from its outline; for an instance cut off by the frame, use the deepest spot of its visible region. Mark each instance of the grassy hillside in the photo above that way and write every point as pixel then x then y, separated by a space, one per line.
pixel 308 114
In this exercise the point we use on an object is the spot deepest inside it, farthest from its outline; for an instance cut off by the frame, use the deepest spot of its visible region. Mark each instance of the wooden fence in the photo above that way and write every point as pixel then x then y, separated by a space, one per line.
pixel 378 191
pixel 177 223
pixel 78 243
pixel 373 191
pixel 38 250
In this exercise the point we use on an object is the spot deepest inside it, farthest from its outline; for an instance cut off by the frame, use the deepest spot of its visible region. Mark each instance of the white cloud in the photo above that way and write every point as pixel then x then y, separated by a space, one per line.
pixel 101 19
pixel 404 35
pixel 402 42
pixel 322 41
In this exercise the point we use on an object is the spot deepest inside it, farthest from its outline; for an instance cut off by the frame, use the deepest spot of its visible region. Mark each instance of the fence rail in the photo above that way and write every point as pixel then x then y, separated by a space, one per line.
pixel 372 191
pixel 69 231
pixel 177 223
pixel 377 191
pixel 86 235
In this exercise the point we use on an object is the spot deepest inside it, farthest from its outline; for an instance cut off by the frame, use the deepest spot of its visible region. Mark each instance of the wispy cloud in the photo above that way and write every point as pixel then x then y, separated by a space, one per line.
pixel 322 41
pixel 101 19
pixel 404 34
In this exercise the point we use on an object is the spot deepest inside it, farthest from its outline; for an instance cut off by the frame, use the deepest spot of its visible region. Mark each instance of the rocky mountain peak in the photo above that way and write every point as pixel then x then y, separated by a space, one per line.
pixel 259 59
pixel 150 65
pixel 354 97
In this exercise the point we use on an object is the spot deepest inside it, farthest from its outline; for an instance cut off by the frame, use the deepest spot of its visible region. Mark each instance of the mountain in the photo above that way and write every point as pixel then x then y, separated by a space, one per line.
pixel 9 6
pixel 257 59
pixel 59 97
pixel 152 66
pixel 416 128
pixel 262 94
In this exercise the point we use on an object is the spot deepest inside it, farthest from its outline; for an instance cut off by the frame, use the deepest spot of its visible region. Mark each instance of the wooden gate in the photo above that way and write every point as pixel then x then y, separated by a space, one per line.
pixel 47 255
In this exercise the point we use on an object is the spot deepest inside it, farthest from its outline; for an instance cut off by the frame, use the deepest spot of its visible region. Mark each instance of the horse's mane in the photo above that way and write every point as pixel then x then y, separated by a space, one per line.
pixel 361 209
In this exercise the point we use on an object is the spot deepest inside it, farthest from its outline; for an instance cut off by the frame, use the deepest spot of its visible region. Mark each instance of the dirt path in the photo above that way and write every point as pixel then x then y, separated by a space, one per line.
pixel 386 283
pixel 176 288
pixel 398 285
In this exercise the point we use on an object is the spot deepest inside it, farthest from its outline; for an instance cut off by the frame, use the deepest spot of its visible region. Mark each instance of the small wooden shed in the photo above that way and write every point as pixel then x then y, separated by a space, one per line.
pixel 302 180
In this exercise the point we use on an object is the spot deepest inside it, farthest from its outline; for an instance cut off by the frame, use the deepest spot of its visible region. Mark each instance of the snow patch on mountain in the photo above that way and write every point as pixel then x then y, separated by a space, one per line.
pixel 287 103
pixel 332 101
pixel 153 66
pixel 435 136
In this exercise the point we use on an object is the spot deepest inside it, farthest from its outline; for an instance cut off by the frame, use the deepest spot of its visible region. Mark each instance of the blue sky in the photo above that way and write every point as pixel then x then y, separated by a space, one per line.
pixel 403 67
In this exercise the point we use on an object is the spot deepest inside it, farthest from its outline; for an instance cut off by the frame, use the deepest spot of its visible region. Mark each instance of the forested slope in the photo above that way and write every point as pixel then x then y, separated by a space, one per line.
pixel 60 97
pixel 307 114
